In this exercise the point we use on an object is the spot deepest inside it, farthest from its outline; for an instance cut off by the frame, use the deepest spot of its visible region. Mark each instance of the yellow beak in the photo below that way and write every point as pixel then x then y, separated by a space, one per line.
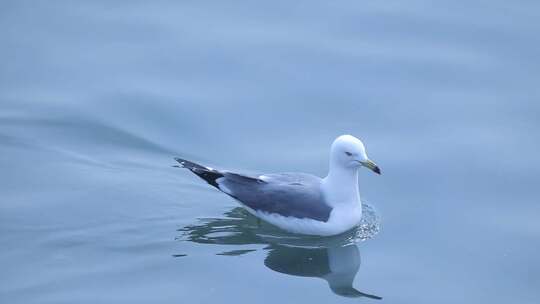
pixel 372 166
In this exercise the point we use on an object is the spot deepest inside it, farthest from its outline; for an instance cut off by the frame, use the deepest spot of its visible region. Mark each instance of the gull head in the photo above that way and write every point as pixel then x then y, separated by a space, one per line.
pixel 349 152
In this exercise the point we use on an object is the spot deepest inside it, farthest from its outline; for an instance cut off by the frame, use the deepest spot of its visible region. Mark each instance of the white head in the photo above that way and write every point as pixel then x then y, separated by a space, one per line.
pixel 349 152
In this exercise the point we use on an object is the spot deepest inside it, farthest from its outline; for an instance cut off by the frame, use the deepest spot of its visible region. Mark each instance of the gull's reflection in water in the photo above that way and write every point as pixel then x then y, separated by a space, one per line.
pixel 335 259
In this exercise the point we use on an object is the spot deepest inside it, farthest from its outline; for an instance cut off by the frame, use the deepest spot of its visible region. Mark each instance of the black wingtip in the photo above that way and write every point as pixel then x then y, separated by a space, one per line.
pixel 181 161
pixel 207 174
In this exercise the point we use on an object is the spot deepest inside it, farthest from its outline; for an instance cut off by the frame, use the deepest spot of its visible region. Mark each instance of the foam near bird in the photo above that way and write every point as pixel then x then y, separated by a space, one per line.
pixel 300 202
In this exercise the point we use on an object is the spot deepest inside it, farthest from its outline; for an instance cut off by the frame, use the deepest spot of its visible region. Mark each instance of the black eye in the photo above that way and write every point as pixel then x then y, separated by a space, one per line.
pixel 348 153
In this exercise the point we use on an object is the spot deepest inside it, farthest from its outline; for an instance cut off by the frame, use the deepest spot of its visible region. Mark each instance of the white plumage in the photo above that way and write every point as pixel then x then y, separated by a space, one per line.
pixel 299 202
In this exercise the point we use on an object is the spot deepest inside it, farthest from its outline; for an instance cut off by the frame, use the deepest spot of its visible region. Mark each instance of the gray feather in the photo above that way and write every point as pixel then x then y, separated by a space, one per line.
pixel 297 195
pixel 288 194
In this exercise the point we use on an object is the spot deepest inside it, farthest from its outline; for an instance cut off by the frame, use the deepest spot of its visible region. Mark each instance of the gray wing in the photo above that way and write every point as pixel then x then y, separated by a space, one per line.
pixel 288 194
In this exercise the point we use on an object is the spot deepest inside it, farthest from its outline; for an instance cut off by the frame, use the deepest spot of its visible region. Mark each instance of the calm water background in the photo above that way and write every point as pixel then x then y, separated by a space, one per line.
pixel 96 97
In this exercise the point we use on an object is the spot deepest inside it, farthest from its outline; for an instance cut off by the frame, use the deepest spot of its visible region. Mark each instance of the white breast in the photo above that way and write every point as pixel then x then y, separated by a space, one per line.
pixel 342 218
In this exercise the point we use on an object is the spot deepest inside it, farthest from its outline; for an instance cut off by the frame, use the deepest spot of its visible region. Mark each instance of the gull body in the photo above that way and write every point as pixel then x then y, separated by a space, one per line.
pixel 299 202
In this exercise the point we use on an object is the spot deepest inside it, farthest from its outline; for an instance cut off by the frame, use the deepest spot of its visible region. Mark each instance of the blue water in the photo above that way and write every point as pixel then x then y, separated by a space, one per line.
pixel 97 97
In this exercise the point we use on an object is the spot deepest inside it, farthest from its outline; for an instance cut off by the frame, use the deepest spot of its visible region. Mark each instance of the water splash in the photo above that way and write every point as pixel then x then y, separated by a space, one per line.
pixel 238 227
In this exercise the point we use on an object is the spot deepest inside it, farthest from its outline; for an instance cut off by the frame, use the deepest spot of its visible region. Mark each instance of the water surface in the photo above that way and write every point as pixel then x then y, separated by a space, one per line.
pixel 97 97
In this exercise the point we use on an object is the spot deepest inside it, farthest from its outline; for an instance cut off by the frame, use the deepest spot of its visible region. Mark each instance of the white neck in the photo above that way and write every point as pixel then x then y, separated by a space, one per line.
pixel 341 185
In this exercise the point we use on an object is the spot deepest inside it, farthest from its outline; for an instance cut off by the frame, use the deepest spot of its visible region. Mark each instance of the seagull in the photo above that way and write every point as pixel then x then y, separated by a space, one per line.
pixel 299 202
